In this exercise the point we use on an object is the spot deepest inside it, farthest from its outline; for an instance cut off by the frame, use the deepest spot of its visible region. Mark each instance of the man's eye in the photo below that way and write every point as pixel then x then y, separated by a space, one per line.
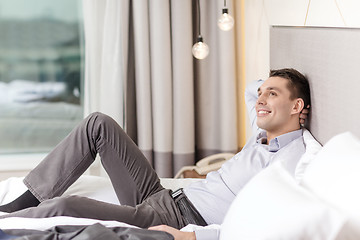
pixel 273 94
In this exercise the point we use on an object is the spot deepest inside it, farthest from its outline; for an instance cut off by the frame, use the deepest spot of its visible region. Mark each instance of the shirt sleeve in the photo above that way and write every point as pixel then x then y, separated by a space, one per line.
pixel 251 97
pixel 209 232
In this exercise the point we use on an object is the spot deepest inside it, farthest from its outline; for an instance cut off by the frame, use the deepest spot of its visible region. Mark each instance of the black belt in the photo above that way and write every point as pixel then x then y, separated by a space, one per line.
pixel 187 209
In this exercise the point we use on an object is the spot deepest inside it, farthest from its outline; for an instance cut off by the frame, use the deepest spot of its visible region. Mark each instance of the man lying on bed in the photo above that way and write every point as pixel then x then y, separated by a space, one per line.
pixel 145 203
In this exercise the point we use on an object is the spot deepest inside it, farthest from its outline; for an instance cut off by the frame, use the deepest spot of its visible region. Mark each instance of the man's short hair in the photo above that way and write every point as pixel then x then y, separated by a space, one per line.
pixel 297 84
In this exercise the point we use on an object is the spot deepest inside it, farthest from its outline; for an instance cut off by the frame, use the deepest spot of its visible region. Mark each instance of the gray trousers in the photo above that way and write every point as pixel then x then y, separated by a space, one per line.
pixel 144 202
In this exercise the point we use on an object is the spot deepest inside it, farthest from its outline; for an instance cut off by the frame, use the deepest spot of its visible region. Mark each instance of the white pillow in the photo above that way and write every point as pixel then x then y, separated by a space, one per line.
pixel 312 148
pixel 334 175
pixel 273 206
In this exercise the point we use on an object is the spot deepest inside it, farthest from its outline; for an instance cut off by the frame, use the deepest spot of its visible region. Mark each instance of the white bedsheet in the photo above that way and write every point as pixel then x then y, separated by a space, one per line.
pixel 46 223
pixel 31 120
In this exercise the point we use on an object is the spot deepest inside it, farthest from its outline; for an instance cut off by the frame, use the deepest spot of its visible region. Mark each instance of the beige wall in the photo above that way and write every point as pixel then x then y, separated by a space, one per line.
pixel 260 14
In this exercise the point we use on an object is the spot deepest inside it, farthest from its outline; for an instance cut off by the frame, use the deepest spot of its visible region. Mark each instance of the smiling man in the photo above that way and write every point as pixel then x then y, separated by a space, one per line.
pixel 276 104
pixel 275 107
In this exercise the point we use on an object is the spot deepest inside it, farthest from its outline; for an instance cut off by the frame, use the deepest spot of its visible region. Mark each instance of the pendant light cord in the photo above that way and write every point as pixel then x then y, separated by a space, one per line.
pixel 199 17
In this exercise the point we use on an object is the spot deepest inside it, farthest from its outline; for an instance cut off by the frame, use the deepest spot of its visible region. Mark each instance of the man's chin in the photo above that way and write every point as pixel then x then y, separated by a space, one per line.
pixel 261 124
pixel 264 126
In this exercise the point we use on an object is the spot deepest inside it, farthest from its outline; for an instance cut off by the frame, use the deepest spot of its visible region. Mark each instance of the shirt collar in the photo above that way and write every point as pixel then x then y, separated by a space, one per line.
pixel 280 141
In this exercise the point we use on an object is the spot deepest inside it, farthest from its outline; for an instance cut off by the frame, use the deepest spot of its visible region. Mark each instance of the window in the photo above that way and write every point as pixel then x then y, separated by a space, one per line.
pixel 40 73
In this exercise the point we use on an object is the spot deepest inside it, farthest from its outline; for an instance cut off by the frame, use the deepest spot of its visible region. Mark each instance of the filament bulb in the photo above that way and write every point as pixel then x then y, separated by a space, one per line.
pixel 226 21
pixel 200 49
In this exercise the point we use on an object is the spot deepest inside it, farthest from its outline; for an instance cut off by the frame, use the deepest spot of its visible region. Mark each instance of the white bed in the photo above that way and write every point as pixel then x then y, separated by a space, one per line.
pixel 31 120
pixel 321 203
pixel 273 205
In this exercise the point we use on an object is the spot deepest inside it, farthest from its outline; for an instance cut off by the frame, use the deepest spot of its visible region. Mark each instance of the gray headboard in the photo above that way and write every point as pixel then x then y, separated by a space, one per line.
pixel 330 58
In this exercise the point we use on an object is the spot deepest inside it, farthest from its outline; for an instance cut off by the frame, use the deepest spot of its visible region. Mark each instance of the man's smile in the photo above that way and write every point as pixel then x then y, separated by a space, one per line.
pixel 263 112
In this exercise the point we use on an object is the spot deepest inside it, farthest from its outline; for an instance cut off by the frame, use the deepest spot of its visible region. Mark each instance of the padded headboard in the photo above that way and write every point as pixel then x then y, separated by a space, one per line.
pixel 330 58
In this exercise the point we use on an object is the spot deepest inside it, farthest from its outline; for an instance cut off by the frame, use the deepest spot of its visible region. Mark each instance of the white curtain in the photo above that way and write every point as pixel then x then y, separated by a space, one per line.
pixel 140 71
pixel 105 24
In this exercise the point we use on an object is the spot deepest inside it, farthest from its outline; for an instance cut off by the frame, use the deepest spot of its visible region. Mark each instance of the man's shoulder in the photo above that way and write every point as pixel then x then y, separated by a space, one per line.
pixel 294 144
pixel 309 140
pixel 251 140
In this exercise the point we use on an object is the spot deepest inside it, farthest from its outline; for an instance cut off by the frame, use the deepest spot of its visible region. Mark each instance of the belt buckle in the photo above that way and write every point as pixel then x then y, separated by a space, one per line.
pixel 177 193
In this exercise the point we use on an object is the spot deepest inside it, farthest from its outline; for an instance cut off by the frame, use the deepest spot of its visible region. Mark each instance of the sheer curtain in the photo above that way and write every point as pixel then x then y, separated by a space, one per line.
pixel 105 25
pixel 140 71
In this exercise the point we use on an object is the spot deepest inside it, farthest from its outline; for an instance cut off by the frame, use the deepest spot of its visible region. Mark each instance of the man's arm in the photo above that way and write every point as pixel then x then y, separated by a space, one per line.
pixel 178 235
pixel 251 96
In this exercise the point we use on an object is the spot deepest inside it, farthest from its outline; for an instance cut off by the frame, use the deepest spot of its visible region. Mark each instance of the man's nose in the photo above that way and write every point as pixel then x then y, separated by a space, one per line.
pixel 261 100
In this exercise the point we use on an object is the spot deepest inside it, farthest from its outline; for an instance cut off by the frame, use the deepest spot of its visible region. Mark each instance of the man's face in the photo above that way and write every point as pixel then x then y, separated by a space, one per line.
pixel 274 106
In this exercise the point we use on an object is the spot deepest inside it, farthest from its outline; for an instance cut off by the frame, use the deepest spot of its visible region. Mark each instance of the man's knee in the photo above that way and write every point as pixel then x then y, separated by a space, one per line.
pixel 101 118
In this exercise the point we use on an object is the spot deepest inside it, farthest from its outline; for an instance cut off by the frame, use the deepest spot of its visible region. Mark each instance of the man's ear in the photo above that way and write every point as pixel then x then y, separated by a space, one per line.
pixel 298 106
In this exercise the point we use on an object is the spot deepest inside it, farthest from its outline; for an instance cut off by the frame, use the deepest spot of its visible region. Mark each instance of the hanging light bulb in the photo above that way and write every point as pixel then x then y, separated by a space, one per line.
pixel 200 50
pixel 226 21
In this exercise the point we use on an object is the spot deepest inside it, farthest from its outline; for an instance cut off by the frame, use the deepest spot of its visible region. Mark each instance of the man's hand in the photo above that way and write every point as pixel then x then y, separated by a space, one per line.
pixel 178 235
pixel 304 114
